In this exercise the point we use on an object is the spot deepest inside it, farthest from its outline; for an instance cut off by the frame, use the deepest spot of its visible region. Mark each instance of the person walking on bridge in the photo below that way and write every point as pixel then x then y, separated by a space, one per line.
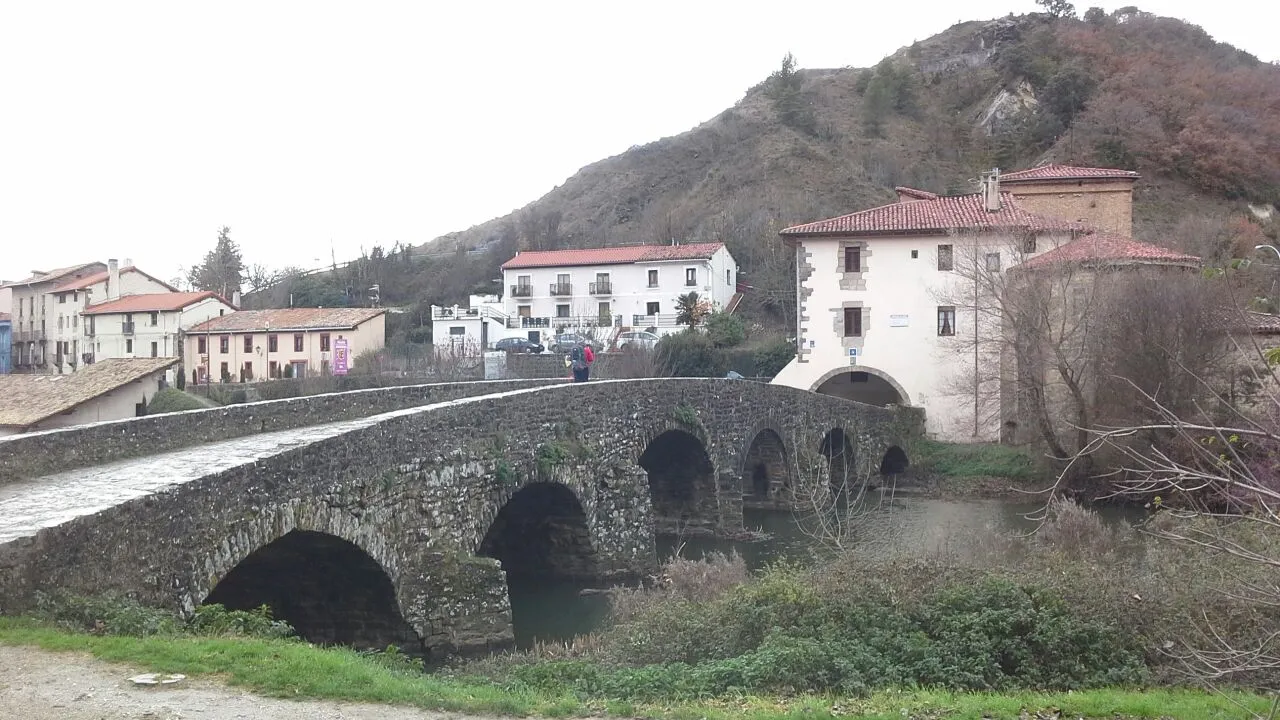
pixel 580 359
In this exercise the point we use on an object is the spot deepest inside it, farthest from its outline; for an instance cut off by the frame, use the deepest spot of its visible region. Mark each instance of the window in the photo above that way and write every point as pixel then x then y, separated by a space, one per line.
pixel 853 322
pixel 324 342
pixel 562 311
pixel 915 254
pixel 273 343
pixel 273 370
pixel 202 345
pixel 224 344
pixel 248 343
pixel 853 259
pixel 155 349
pixel 690 276
pixel 653 278
pixel 524 281
pixel 62 299
pixel 944 257
pixel 651 308
pixel 562 278
pixel 1029 244
pixel 455 330
pixel 128 346
pixel 155 319
pixel 247 372
pixel 75 321
pixel 59 322
pixel 224 372
pixel 993 262
pixel 946 320
pixel 297 343
pixel 728 277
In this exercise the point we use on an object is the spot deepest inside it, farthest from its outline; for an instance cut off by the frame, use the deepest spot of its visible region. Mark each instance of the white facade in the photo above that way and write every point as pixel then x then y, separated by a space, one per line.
pixel 918 333
pixel 589 297
pixel 142 332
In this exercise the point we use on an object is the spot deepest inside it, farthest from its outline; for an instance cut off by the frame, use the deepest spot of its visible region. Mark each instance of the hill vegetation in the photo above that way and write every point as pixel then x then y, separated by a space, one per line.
pixel 1126 89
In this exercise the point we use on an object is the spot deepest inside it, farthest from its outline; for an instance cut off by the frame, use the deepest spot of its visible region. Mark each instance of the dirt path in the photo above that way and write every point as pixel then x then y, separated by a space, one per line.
pixel 40 685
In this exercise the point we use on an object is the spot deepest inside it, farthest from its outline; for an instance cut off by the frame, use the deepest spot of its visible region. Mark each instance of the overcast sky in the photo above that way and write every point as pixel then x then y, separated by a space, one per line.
pixel 135 130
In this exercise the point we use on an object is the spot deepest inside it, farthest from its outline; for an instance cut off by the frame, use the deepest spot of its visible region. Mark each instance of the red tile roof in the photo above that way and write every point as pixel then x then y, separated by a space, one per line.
pixel 1052 172
pixel 1110 249
pixel 89 280
pixel 934 216
pixel 288 319
pixel 621 255
pixel 150 302
pixel 915 194
pixel 38 276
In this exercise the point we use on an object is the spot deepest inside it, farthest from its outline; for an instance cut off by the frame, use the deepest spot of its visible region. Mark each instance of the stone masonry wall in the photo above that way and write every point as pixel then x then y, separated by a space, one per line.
pixel 418 491
pixel 43 453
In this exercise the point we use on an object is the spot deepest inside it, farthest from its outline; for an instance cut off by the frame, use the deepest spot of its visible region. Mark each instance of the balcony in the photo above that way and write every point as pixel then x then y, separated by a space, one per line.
pixel 521 321
pixel 561 288
pixel 126 328
pixel 522 291
pixel 602 288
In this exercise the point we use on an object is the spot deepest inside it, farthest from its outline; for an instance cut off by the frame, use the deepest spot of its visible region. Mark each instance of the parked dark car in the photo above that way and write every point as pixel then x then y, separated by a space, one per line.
pixel 517 345
pixel 564 343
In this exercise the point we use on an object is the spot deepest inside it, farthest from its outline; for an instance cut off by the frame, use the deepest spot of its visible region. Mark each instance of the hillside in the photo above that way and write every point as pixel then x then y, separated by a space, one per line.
pixel 1199 119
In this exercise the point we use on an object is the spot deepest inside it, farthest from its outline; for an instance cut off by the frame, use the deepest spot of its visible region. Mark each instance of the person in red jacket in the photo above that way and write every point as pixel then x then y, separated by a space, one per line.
pixel 590 357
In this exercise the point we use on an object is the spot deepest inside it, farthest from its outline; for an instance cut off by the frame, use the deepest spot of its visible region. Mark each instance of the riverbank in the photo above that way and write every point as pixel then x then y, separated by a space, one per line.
pixel 73 676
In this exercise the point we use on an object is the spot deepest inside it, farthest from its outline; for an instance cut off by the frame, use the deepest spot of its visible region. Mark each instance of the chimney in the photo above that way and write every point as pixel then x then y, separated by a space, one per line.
pixel 128 263
pixel 991 190
pixel 113 279
pixel 235 299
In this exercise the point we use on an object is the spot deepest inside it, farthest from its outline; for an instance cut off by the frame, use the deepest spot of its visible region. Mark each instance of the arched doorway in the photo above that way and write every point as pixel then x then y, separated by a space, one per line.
pixel 328 589
pixel 841 468
pixel 682 482
pixel 862 385
pixel 894 462
pixel 542 540
pixel 766 473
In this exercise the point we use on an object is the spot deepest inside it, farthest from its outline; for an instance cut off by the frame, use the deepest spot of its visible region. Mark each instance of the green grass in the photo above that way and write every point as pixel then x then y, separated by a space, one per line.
pixel 974 460
pixel 283 668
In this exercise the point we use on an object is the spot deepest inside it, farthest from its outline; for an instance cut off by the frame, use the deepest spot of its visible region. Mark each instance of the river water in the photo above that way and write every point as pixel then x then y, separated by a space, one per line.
pixel 905 522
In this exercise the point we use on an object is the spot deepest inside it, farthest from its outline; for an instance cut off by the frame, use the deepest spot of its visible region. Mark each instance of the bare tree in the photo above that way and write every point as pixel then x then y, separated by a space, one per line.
pixel 832 496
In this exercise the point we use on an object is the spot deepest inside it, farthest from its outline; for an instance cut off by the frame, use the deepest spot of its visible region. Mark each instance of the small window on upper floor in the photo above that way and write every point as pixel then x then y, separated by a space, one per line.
pixel 653 278
pixel 993 262
pixel 1029 244
pixel 155 319
pixel 853 322
pixel 853 259
pixel 690 276
pixel 946 320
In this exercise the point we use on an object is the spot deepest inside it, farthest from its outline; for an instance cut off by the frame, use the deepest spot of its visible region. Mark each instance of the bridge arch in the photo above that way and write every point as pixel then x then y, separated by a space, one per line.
pixel 863 384
pixel 842 469
pixel 682 478
pixel 894 462
pixel 766 470
pixel 542 538
pixel 329 589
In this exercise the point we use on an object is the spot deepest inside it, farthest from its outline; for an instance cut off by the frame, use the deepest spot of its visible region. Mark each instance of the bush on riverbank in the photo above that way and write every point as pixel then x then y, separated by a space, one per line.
pixel 112 615
pixel 973 460
pixel 1077 605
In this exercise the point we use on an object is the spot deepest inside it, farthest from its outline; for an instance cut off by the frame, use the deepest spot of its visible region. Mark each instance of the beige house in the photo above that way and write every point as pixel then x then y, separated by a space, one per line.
pixel 298 342
pixel 147 325
pixel 109 390
pixel 34 311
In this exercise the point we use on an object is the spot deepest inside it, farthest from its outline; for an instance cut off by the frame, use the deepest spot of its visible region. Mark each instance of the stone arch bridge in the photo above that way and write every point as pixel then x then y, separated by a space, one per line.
pixel 407 527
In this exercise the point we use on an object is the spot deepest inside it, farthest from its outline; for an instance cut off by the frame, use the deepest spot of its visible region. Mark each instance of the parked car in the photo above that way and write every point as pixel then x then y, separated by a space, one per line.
pixel 563 343
pixel 638 338
pixel 518 345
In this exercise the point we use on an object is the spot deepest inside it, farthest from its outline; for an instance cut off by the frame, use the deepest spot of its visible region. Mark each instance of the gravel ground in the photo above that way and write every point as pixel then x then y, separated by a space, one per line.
pixel 40 685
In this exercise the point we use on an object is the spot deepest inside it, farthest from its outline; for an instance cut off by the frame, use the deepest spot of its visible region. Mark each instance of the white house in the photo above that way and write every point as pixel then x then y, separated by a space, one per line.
pixel 72 345
pixel 148 325
pixel 598 291
pixel 33 309
pixel 881 293
pixel 109 390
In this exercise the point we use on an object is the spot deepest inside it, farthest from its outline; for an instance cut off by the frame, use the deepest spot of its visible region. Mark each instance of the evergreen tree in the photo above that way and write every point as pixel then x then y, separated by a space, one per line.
pixel 222 270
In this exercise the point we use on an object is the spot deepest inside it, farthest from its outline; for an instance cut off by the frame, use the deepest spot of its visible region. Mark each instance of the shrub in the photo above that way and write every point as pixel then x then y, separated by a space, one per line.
pixel 770 359
pixel 973 460
pixel 174 400
pixel 725 330
pixel 105 615
pixel 690 354
pixel 218 621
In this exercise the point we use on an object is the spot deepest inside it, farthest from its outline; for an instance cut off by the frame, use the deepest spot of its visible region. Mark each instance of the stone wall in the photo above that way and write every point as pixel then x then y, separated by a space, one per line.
pixel 418 493
pixel 43 453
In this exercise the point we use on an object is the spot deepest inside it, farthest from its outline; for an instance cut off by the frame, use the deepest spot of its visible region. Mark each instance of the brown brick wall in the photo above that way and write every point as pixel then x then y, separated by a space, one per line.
pixel 1107 206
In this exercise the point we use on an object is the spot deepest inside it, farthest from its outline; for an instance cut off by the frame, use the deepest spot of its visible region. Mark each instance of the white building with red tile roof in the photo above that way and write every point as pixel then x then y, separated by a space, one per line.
pixel 593 291
pixel 881 309
pixel 146 325
pixel 254 345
